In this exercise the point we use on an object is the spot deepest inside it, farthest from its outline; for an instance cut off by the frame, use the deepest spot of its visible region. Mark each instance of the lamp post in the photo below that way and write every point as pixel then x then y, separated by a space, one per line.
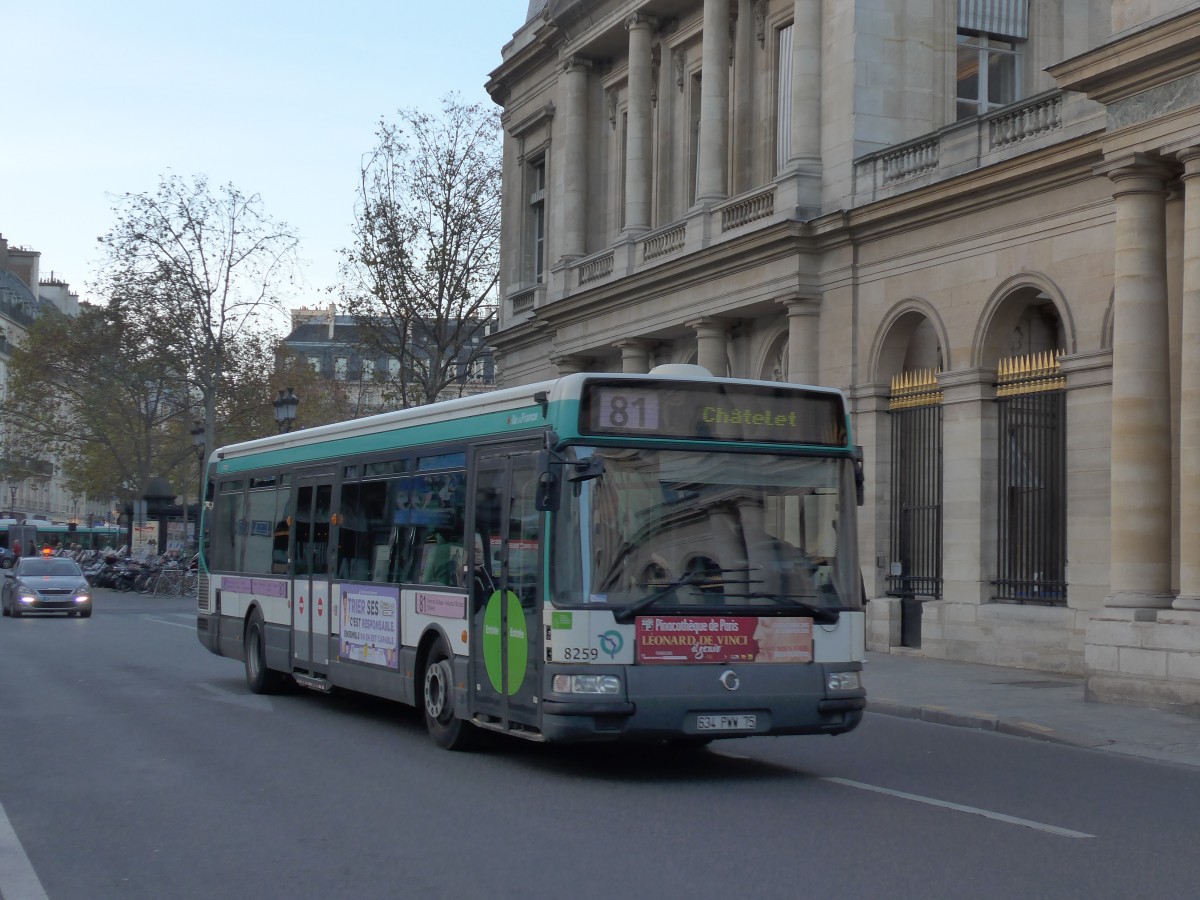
pixel 12 493
pixel 285 410
pixel 198 446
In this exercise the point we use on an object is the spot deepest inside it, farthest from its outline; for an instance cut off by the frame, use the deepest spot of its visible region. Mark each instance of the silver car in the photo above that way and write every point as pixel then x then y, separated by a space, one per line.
pixel 45 584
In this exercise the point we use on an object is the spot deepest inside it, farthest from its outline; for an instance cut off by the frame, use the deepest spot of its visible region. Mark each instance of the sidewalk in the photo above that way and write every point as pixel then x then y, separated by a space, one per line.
pixel 1042 705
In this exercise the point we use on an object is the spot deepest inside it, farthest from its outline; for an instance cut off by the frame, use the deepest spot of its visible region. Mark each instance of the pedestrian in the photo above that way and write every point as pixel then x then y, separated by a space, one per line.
pixel 16 549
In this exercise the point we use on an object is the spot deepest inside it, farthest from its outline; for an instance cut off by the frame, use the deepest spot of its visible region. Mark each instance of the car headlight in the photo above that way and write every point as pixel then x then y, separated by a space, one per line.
pixel 844 681
pixel 26 597
pixel 82 598
pixel 586 684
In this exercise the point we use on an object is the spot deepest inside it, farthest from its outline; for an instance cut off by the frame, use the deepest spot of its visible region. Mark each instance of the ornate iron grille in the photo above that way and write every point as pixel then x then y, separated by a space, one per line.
pixel 1032 508
pixel 916 486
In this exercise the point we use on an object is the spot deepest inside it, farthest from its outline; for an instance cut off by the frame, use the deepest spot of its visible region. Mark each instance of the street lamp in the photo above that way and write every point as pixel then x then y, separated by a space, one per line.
pixel 198 446
pixel 12 492
pixel 285 410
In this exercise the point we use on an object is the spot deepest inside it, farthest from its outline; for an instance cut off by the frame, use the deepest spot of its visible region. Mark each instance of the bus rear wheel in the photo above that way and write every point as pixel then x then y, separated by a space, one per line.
pixel 259 678
pixel 447 730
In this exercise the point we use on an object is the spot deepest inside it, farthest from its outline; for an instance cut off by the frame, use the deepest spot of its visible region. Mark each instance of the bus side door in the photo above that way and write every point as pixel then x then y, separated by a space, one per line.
pixel 505 563
pixel 310 585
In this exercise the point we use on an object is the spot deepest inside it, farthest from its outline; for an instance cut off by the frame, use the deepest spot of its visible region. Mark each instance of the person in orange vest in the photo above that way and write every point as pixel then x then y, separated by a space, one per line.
pixel 16 549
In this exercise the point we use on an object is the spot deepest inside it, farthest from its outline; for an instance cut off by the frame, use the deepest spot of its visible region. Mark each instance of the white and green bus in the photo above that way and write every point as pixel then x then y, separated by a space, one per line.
pixel 667 556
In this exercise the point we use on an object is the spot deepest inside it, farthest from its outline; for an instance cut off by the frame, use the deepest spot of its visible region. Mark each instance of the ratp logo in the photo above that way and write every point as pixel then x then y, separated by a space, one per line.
pixel 611 642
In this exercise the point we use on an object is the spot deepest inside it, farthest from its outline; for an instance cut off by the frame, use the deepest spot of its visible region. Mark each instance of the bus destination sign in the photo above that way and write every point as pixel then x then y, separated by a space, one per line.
pixel 702 411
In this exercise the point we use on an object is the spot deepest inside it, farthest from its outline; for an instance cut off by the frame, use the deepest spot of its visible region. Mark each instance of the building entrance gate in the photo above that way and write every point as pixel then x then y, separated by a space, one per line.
pixel 915 531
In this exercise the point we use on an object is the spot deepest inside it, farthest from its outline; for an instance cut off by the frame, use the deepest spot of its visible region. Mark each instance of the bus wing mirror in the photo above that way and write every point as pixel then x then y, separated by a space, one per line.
pixel 547 486
pixel 587 469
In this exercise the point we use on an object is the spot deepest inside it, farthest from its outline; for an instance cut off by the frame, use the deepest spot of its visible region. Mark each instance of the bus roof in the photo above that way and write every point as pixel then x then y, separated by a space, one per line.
pixel 540 404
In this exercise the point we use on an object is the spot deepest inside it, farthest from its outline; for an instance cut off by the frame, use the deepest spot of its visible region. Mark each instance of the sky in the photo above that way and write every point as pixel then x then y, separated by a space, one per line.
pixel 281 99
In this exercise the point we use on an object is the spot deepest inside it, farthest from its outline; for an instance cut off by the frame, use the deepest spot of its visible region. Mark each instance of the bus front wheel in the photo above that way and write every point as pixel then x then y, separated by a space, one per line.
pixel 259 678
pixel 447 730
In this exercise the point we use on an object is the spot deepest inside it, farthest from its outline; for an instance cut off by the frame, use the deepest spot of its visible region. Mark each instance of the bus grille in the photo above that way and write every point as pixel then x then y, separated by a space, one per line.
pixel 202 593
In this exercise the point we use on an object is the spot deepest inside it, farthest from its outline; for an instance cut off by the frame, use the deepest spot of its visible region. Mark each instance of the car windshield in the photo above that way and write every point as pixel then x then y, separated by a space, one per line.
pixel 661 529
pixel 42 567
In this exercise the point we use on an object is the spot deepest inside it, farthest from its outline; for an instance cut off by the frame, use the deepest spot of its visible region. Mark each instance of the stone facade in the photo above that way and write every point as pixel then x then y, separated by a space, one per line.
pixel 787 189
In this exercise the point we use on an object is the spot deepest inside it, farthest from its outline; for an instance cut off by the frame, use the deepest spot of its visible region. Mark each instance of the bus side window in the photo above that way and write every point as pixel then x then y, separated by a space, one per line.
pixel 400 535
pixel 364 524
pixel 439 511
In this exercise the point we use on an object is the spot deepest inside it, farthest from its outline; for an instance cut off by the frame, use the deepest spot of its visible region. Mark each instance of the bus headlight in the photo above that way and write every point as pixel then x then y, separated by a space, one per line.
pixel 586 684
pixel 844 681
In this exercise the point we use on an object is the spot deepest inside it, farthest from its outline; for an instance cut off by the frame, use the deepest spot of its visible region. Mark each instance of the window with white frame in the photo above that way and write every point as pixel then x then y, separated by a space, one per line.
pixel 991 34
pixel 341 366
pixel 368 370
pixel 988 73
pixel 694 137
pixel 535 251
pixel 783 104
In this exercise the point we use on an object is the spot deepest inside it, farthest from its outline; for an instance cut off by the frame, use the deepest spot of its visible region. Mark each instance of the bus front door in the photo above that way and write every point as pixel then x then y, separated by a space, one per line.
pixel 310 584
pixel 505 600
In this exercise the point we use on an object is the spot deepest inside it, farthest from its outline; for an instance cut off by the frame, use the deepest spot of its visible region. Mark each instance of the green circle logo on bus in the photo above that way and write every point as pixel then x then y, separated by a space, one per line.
pixel 518 642
pixel 611 643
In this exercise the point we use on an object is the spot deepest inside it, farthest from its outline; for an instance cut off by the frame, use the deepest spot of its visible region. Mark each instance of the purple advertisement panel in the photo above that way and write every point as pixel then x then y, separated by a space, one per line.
pixel 264 587
pixel 370 624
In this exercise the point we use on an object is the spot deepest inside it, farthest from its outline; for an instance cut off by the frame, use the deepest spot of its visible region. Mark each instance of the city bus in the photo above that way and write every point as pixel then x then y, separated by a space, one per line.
pixel 56 534
pixel 658 557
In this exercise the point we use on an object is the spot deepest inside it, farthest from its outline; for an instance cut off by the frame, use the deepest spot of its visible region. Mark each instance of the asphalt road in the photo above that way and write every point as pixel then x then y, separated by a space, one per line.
pixel 134 764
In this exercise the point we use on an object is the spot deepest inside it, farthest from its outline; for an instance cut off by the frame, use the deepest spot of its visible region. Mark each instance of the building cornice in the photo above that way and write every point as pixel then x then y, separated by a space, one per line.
pixel 1133 63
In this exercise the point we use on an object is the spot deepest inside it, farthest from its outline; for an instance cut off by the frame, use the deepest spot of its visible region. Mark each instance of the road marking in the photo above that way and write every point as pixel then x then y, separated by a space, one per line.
pixel 958 807
pixel 191 625
pixel 18 881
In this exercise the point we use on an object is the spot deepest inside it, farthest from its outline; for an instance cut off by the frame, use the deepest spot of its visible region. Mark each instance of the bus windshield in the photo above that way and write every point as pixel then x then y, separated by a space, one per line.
pixel 665 529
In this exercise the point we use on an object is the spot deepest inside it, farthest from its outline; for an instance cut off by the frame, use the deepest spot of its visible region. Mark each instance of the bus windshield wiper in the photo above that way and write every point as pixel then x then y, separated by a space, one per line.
pixel 823 615
pixel 626 614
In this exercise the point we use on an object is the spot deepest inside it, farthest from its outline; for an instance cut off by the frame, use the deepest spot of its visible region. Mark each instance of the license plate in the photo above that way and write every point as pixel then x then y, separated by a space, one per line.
pixel 744 722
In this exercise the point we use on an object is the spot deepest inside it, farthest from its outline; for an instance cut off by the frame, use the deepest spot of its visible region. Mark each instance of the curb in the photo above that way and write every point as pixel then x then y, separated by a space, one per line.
pixel 939 715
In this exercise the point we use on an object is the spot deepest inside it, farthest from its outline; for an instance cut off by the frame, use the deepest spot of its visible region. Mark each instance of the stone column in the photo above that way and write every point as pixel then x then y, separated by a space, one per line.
pixel 712 160
pixel 635 355
pixel 1140 521
pixel 638 143
pixel 573 87
pixel 803 322
pixel 711 351
pixel 805 155
pixel 1189 393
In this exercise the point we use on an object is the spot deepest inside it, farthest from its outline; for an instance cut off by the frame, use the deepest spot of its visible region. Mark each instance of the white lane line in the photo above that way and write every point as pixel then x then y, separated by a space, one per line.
pixel 191 626
pixel 958 807
pixel 18 881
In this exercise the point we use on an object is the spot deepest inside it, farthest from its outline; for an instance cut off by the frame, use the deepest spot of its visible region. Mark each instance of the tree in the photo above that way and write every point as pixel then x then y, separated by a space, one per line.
pixel 421 275
pixel 194 272
pixel 92 392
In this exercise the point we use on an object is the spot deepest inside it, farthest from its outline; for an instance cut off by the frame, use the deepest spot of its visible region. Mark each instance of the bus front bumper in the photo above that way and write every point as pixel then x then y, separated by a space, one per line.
pixel 674 702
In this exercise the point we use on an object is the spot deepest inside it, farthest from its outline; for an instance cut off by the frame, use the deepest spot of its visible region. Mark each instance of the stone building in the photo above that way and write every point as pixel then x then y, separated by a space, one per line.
pixel 331 344
pixel 33 486
pixel 980 218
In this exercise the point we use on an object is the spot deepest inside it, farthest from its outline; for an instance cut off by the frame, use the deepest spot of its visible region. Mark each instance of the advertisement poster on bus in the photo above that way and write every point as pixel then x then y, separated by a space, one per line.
pixel 370 616
pixel 723 639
